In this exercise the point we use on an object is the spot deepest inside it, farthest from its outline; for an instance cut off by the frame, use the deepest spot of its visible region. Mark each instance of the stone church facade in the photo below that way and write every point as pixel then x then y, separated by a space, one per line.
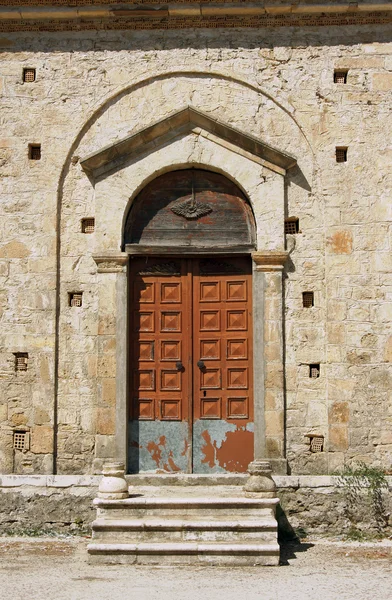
pixel 113 118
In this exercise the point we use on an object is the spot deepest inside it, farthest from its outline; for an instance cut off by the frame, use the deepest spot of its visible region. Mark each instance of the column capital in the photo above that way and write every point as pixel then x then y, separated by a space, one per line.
pixel 111 262
pixel 270 260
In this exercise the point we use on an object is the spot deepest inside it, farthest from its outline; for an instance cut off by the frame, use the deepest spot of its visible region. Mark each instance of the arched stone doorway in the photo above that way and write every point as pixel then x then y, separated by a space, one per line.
pixel 190 376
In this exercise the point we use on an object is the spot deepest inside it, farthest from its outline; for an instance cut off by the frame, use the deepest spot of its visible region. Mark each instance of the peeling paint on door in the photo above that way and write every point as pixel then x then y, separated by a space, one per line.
pixel 221 447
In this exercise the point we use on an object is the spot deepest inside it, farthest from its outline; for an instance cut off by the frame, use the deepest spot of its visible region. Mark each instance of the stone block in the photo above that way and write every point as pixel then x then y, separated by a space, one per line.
pixel 339 412
pixel 42 439
pixel 338 438
pixel 106 421
pixel 382 82
pixel 274 423
pixel 340 242
pixel 109 391
pixel 105 446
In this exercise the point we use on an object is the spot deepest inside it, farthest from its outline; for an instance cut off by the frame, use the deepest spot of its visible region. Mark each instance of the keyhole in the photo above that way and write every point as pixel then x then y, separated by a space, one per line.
pixel 204 393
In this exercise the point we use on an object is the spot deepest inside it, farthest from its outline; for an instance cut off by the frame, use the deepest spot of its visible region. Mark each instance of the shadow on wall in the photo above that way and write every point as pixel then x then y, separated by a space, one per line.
pixel 197 39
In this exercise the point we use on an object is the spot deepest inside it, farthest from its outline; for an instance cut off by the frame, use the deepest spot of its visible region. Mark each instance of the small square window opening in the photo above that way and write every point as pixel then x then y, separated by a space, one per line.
pixel 291 225
pixel 307 299
pixel 35 151
pixel 75 299
pixel 21 440
pixel 340 76
pixel 88 225
pixel 21 359
pixel 314 371
pixel 316 443
pixel 341 155
pixel 28 75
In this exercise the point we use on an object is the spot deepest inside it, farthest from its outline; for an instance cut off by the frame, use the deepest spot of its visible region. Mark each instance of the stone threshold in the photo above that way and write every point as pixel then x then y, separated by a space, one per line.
pixel 154 480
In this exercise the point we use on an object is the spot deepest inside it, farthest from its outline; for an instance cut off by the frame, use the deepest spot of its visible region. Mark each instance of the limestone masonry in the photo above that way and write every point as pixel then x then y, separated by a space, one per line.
pixel 319 93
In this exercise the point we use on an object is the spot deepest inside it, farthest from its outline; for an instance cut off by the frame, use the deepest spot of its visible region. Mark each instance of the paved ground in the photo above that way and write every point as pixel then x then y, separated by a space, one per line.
pixel 57 569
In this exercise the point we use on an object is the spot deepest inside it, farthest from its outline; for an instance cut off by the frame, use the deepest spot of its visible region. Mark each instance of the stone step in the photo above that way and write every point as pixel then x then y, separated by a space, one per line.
pixel 177 530
pixel 239 554
pixel 139 507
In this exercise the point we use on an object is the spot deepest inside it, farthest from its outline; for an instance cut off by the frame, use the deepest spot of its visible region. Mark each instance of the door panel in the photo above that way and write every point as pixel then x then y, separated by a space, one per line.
pixel 223 412
pixel 190 365
pixel 159 375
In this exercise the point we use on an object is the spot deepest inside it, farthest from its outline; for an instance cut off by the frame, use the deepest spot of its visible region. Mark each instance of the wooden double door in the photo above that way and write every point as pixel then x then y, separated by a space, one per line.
pixel 190 365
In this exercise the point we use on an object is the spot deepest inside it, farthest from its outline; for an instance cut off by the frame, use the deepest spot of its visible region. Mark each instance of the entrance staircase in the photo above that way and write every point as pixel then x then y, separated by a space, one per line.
pixel 197 524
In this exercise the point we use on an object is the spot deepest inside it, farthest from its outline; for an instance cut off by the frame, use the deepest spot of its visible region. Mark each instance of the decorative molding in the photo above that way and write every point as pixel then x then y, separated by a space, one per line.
pixel 62 17
pixel 169 268
pixel 191 209
pixel 270 260
pixel 111 263
pixel 213 267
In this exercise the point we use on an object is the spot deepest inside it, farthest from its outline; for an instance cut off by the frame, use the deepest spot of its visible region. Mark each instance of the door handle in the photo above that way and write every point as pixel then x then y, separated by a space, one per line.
pixel 200 364
pixel 179 366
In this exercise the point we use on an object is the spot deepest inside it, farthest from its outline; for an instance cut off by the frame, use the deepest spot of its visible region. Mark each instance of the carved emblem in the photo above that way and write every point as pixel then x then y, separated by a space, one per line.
pixel 191 208
pixel 213 267
pixel 169 268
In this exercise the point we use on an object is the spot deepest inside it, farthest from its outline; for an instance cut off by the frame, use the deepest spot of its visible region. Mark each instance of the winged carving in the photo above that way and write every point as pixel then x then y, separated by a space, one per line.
pixel 191 209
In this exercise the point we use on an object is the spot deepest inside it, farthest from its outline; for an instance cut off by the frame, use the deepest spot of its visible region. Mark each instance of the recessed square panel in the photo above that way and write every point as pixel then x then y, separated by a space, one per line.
pixel 210 408
pixel 170 410
pixel 143 292
pixel 144 379
pixel 236 320
pixel 210 291
pixel 237 378
pixel 170 350
pixel 210 379
pixel 145 409
pixel 237 408
pixel 210 349
pixel 170 380
pixel 170 321
pixel 171 292
pixel 236 291
pixel 237 349
pixel 209 320
pixel 144 321
pixel 145 350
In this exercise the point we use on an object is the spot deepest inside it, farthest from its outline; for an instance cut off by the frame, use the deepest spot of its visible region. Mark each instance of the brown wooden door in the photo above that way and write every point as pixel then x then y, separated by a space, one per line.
pixel 190 376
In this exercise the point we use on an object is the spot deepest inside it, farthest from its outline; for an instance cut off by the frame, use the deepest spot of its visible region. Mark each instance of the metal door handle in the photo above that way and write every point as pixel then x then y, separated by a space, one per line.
pixel 200 364
pixel 179 366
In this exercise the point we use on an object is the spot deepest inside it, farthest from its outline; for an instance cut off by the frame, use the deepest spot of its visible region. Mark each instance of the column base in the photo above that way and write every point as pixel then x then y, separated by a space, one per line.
pixel 113 485
pixel 260 483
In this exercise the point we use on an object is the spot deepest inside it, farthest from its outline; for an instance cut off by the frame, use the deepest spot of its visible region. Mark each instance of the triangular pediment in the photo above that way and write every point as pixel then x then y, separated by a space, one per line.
pixel 175 125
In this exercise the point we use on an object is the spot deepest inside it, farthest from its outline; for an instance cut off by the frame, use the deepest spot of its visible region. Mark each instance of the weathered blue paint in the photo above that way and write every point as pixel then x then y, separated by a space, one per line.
pixel 158 447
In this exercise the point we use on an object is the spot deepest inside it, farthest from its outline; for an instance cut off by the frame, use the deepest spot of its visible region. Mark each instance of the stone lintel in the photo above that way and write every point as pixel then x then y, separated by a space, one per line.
pixel 111 262
pixel 270 260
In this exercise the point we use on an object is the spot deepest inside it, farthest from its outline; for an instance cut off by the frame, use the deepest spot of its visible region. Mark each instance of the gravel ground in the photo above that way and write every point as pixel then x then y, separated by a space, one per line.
pixel 57 569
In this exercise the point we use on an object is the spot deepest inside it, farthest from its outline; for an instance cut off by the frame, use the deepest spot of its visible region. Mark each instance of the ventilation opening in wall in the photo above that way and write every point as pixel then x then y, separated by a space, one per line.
pixel 75 298
pixel 340 76
pixel 341 154
pixel 21 440
pixel 21 360
pixel 314 371
pixel 307 299
pixel 28 75
pixel 291 225
pixel 35 151
pixel 316 442
pixel 88 225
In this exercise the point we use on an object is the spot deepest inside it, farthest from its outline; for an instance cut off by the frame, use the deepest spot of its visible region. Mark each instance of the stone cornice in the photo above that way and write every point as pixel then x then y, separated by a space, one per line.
pixel 111 263
pixel 270 260
pixel 57 15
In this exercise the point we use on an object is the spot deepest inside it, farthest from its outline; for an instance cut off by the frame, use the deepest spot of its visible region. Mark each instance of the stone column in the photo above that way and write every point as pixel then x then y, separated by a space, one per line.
pixel 111 439
pixel 268 370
